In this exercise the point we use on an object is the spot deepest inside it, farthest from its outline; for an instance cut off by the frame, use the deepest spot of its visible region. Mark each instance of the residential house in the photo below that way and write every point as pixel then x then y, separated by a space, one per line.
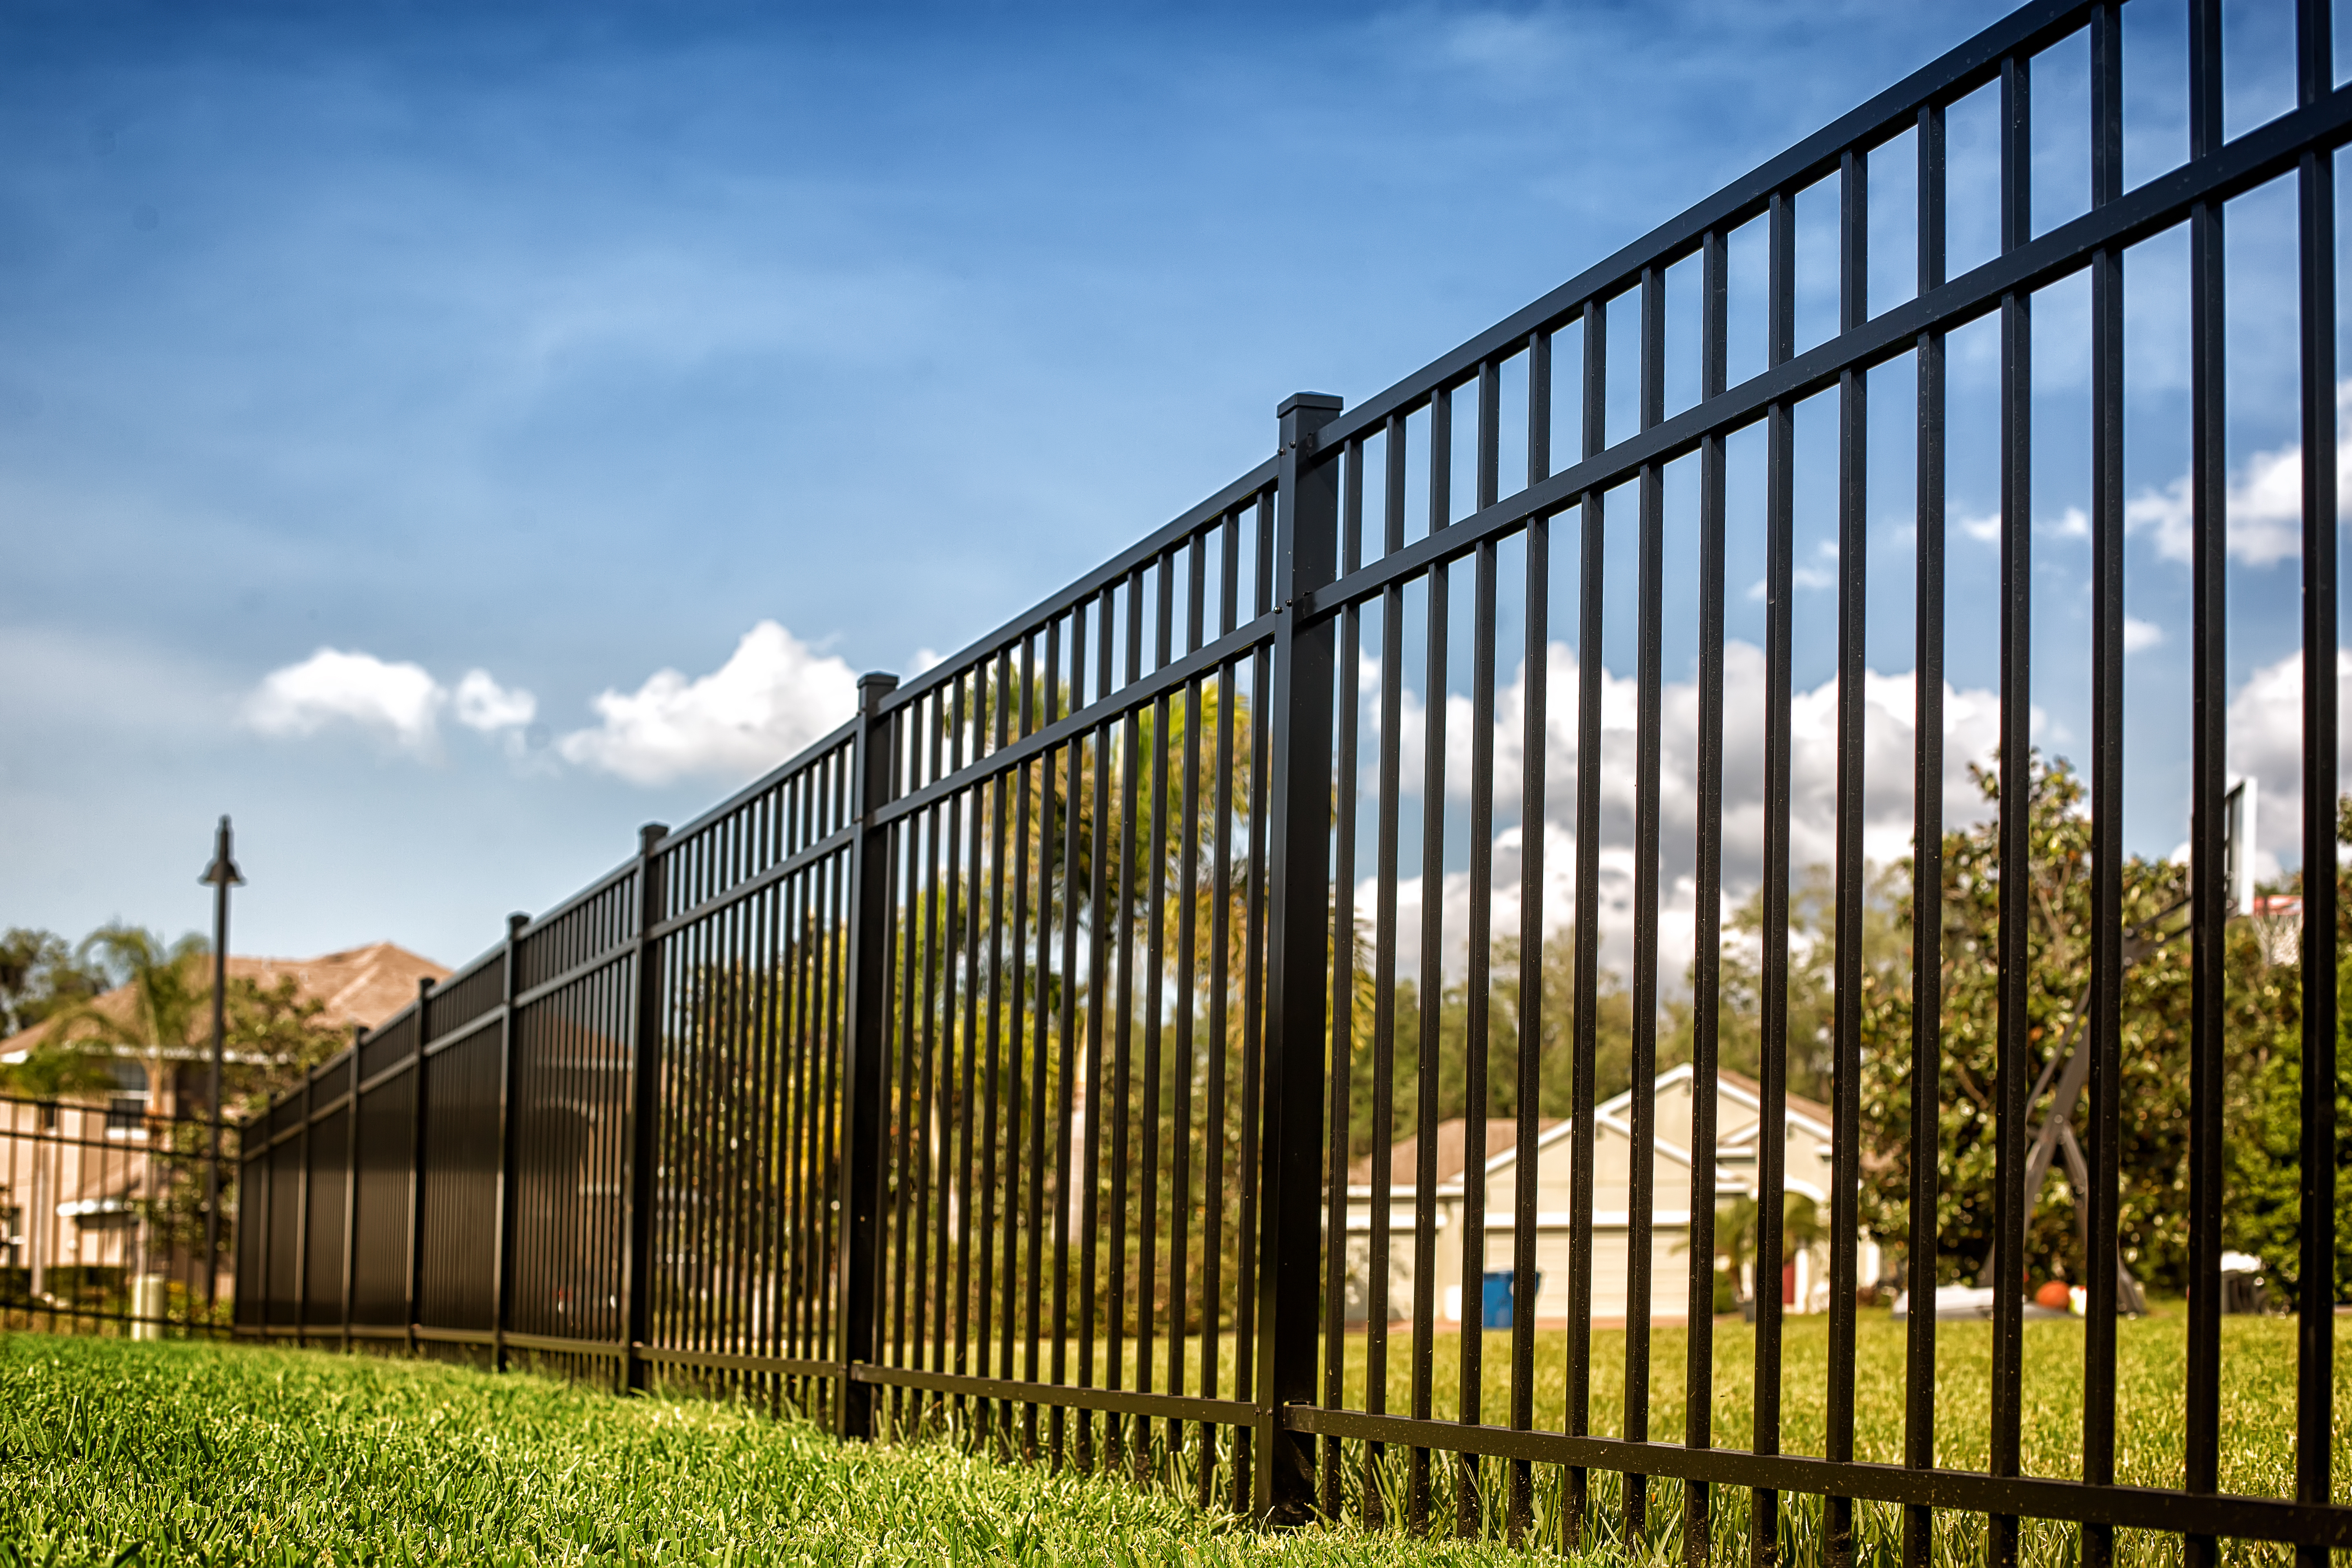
pixel 79 1182
pixel 1805 1133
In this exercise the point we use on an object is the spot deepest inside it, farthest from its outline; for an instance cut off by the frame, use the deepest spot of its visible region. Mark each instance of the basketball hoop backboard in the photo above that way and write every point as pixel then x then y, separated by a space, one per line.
pixel 2238 847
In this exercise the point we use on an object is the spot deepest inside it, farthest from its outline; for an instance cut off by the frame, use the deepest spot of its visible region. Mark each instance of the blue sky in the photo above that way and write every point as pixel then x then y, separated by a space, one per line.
pixel 570 345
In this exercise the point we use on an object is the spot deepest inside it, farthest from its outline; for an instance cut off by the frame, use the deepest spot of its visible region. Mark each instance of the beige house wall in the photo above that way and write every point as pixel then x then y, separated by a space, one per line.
pixel 1807 1172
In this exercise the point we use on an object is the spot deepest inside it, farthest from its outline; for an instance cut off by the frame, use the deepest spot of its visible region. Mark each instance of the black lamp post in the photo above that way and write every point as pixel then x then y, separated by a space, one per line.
pixel 220 875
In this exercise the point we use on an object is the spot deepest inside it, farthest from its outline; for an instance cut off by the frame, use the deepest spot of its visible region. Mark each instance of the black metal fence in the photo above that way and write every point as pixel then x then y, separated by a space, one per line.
pixel 1027 1053
pixel 103 1222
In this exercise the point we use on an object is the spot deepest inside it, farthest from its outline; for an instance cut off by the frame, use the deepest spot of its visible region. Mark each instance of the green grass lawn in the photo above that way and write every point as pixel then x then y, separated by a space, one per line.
pixel 198 1454
pixel 118 1453
pixel 2257 1393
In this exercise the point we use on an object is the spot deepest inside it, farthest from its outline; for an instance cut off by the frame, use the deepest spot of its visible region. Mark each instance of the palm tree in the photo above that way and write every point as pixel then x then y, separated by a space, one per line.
pixel 1735 1230
pixel 168 1000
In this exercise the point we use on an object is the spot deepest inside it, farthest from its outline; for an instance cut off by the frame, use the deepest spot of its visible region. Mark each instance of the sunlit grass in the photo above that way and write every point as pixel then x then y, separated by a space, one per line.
pixel 2258 1365
pixel 2258 1362
pixel 199 1454
pixel 113 1452
pixel 2257 1422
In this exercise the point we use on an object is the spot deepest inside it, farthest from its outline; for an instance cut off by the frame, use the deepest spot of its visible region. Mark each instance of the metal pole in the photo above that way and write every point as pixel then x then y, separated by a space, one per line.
pixel 637 1227
pixel 351 1176
pixel 509 1056
pixel 221 875
pixel 1290 1146
pixel 868 1034
pixel 411 1276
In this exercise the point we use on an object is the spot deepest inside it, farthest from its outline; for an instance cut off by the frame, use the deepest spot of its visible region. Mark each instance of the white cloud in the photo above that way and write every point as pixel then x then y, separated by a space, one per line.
pixel 481 703
pixel 1971 724
pixel 2072 523
pixel 2266 744
pixel 2263 504
pixel 2140 636
pixel 1819 572
pixel 773 696
pixel 400 702
pixel 1822 570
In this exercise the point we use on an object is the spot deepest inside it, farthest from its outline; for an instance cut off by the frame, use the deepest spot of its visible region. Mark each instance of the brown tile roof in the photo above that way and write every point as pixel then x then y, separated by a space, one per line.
pixel 1453 1136
pixel 359 985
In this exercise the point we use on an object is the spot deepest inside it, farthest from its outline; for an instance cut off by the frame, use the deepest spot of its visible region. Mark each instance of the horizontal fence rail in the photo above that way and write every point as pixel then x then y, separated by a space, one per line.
pixel 1285 1016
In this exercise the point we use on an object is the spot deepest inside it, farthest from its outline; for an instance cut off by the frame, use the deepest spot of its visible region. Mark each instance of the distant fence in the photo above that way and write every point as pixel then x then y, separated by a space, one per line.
pixel 103 1222
pixel 981 1063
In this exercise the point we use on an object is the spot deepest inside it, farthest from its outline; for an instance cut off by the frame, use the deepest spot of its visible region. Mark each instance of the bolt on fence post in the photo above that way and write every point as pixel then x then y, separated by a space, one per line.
pixel 867 1034
pixel 415 1267
pixel 1291 1147
pixel 643 1054
pixel 502 1223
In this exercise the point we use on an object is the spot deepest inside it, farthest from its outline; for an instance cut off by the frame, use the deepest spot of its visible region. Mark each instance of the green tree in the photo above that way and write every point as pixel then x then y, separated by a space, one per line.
pixel 1736 1238
pixel 1812 976
pixel 40 975
pixel 1556 1012
pixel 2261 1008
pixel 273 1037
pixel 2264 1154
pixel 167 996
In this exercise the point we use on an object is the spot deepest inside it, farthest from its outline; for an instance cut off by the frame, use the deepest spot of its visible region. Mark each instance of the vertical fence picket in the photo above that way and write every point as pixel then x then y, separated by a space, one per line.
pixel 2317 1239
pixel 2101 1258
pixel 1927 844
pixel 2013 1075
pixel 2208 774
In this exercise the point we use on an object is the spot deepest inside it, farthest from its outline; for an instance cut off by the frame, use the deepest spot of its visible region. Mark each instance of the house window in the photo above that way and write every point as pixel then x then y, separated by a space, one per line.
pixel 126 1111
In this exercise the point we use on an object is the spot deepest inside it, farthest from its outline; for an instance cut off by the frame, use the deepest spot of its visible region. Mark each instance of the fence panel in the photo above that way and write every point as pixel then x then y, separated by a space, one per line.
pixel 457 1208
pixel 574 1035
pixel 102 1220
pixel 282 1257
pixel 386 1129
pixel 745 1190
pixel 1162 1038
pixel 329 1152
pixel 1077 867
pixel 249 1304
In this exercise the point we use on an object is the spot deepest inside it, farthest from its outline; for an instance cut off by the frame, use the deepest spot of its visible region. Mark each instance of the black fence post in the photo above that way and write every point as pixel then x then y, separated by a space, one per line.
pixel 856 1276
pixel 260 1214
pixel 644 1102
pixel 351 1182
pixel 413 1276
pixel 302 1219
pixel 502 1223
pixel 1289 1272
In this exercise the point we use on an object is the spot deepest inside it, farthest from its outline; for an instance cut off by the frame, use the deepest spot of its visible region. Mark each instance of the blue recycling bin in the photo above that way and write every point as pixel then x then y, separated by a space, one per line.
pixel 1495 1298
